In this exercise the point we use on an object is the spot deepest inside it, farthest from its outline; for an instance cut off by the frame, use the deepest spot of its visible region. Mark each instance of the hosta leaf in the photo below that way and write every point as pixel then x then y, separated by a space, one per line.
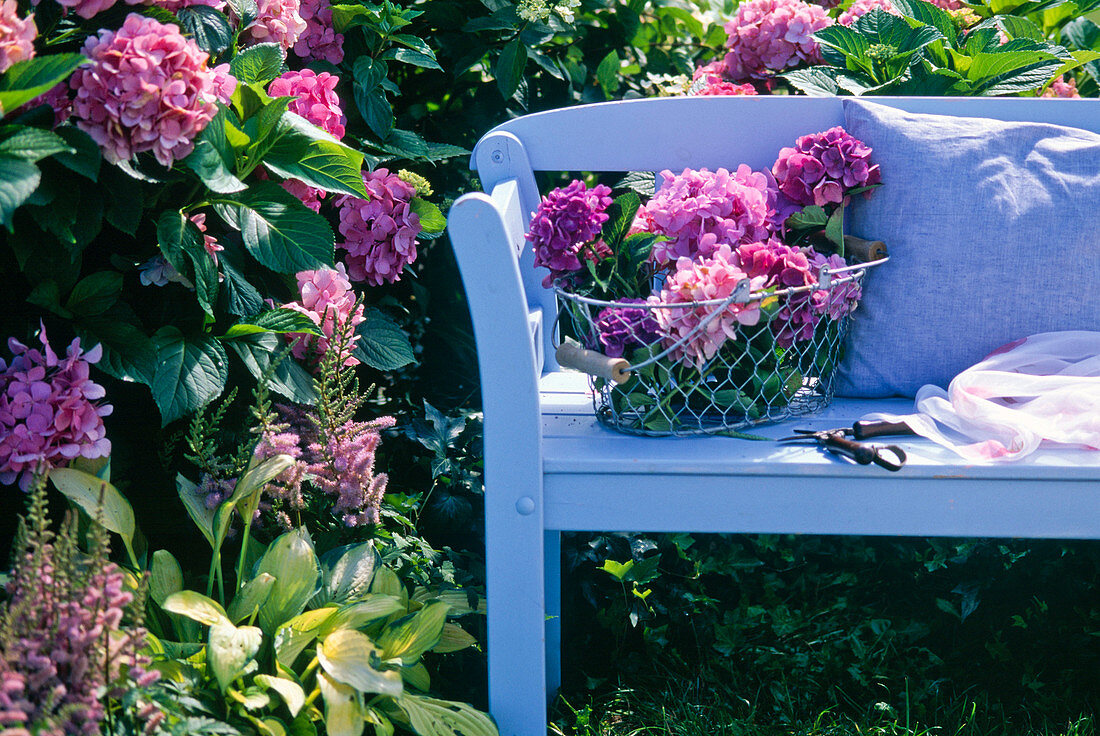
pixel 229 649
pixel 293 563
pixel 290 691
pixel 444 718
pixel 347 656
pixel 250 598
pixel 196 607
pixel 415 634
pixel 454 638
pixel 343 714
pixel 99 499
pixel 357 615
pixel 165 576
pixel 346 574
pixel 295 635
pixel 196 507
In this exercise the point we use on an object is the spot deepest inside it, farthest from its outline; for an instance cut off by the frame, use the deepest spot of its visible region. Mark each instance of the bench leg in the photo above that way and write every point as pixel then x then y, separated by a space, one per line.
pixel 553 612
pixel 517 622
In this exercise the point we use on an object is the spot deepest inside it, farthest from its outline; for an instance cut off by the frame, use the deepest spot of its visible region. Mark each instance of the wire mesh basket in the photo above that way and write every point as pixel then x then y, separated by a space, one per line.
pixel 714 366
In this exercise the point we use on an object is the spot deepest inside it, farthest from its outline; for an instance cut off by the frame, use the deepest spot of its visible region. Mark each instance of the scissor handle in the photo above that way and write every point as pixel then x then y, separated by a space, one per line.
pixel 865 430
pixel 883 461
pixel 862 454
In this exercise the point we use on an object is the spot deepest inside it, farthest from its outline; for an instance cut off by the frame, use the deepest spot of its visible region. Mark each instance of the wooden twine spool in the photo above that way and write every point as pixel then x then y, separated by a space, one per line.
pixel 571 355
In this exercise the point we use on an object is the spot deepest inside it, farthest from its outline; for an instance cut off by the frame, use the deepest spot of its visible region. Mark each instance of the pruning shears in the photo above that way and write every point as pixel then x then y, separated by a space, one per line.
pixel 837 442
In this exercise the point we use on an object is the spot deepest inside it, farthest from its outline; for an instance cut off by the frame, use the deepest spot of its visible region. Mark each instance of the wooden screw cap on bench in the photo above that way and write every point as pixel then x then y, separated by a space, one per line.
pixel 864 250
pixel 571 355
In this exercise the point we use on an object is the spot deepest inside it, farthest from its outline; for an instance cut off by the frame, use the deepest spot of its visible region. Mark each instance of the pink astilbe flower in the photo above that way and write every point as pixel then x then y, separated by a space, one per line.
pixel 319 41
pixel 567 219
pixel 702 210
pixel 50 410
pixel 16 35
pixel 769 36
pixel 380 232
pixel 328 300
pixel 862 7
pixel 148 88
pixel 314 98
pixel 713 277
pixel 278 21
pixel 822 167
pixel 1062 88
pixel 337 461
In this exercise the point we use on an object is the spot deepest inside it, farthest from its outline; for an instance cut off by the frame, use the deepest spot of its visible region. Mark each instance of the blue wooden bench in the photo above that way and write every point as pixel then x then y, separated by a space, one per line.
pixel 550 467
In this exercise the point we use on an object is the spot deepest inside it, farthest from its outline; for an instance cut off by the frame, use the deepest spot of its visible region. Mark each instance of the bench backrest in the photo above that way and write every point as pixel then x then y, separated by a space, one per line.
pixel 676 133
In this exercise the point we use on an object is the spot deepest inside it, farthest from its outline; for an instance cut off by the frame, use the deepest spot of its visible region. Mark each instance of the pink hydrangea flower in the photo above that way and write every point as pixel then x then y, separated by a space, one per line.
pixel 50 410
pixel 86 8
pixel 16 35
pixel 947 4
pixel 278 22
pixel 725 88
pixel 861 7
pixel 779 264
pixel 57 98
pixel 1062 88
pixel 319 41
pixel 772 35
pixel 175 5
pixel 327 299
pixel 309 196
pixel 380 232
pixel 705 278
pixel 148 88
pixel 208 241
pixel 566 220
pixel 822 167
pixel 842 299
pixel 712 72
pixel 702 210
pixel 314 98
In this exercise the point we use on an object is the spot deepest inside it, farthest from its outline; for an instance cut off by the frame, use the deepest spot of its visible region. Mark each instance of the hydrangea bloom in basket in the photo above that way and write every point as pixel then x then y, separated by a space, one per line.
pixel 723 300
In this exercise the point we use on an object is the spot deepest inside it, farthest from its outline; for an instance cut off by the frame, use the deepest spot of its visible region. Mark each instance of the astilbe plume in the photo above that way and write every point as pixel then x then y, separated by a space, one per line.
pixel 380 232
pixel 712 277
pixel 64 646
pixel 567 220
pixel 50 409
pixel 701 210
pixel 329 302
pixel 278 21
pixel 821 168
pixel 319 41
pixel 769 36
pixel 148 88
pixel 16 35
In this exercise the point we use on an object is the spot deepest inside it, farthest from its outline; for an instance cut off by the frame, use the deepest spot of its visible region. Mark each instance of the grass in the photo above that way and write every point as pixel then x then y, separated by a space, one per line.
pixel 678 709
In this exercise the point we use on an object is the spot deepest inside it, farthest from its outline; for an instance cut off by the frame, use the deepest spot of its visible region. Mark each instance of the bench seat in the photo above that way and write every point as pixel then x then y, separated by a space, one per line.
pixel 721 484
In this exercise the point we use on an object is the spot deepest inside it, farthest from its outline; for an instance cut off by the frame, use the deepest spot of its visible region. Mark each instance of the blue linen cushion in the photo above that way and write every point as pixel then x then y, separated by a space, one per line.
pixel 993 230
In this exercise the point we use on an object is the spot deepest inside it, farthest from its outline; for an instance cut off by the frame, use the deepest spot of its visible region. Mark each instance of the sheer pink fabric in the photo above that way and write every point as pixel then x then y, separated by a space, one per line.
pixel 1041 390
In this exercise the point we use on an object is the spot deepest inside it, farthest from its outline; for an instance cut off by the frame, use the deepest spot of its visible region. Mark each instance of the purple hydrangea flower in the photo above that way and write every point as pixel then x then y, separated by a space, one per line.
pixel 620 329
pixel 566 219
pixel 823 167
pixel 841 299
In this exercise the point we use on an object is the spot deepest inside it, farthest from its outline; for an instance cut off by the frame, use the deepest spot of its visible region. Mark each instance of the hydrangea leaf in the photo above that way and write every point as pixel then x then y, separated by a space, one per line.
pixel 209 28
pixel 18 180
pixel 191 371
pixel 279 320
pixel 289 379
pixel 25 80
pixel 382 343
pixel 279 231
pixel 31 144
pixel 431 218
pixel 260 63
pixel 509 67
pixel 304 151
